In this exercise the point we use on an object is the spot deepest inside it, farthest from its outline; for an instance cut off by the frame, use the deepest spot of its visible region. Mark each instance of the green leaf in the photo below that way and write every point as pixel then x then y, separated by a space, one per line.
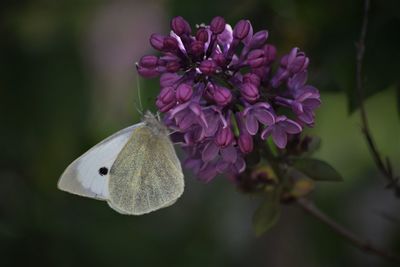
pixel 317 169
pixel 266 216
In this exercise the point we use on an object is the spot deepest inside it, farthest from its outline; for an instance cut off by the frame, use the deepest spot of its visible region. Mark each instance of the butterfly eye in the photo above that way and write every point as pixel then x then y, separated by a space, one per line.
pixel 103 171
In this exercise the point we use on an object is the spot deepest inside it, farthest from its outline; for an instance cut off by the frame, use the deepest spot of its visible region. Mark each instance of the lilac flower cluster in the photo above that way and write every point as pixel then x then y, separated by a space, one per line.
pixel 220 93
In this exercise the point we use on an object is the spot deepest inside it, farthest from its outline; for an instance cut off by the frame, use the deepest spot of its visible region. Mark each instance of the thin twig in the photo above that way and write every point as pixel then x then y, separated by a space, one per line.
pixel 379 162
pixel 363 245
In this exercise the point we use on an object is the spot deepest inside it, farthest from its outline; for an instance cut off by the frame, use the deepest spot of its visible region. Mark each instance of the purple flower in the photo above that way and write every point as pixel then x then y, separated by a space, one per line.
pixel 215 120
pixel 187 114
pixel 219 92
pixel 280 130
pixel 304 99
pixel 255 114
pixel 224 158
pixel 292 63
pixel 305 104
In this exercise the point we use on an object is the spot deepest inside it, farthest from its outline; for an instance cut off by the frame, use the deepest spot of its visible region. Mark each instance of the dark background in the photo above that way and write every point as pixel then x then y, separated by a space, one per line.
pixel 68 80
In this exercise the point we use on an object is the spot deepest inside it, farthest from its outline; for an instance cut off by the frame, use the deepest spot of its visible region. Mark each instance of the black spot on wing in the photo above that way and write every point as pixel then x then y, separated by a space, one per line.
pixel 103 171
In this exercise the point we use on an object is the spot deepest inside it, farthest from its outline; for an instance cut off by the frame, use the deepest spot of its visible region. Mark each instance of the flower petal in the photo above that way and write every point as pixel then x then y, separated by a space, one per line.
pixel 179 108
pixel 187 120
pixel 307 117
pixel 279 136
pixel 222 166
pixel 251 124
pixel 312 103
pixel 298 80
pixel 267 132
pixel 290 126
pixel 193 164
pixel 264 116
pixel 229 154
pixel 207 173
pixel 240 165
pixel 210 151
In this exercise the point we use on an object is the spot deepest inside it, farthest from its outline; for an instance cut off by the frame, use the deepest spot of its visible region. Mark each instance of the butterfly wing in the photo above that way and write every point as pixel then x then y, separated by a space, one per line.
pixel 146 175
pixel 83 176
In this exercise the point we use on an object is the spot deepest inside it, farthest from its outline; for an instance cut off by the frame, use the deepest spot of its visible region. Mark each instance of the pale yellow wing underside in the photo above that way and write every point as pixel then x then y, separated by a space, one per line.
pixel 146 175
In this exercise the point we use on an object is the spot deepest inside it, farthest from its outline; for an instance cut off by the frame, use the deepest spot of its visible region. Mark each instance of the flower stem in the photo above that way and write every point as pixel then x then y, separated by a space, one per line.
pixel 386 170
pixel 363 245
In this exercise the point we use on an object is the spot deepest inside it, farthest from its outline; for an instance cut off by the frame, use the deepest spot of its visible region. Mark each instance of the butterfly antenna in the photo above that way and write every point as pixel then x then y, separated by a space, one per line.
pixel 158 114
pixel 140 109
pixel 172 132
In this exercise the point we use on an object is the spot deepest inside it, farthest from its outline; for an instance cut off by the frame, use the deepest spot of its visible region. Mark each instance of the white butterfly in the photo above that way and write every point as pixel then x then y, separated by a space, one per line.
pixel 135 170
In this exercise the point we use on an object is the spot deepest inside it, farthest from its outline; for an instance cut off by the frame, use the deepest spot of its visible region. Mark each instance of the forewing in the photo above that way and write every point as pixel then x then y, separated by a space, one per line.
pixel 146 175
pixel 82 177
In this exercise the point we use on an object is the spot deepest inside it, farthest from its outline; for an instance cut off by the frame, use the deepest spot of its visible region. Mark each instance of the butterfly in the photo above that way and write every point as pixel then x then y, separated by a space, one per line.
pixel 135 170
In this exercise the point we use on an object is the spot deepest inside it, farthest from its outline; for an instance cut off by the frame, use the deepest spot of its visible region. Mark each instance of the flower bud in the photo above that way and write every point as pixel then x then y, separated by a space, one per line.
pixel 202 35
pixel 147 66
pixel 222 96
pixel 184 92
pixel 166 99
pixel 217 25
pixel 170 44
pixel 220 59
pixel 299 64
pixel 173 66
pixel 168 79
pixel 252 78
pixel 157 41
pixel 295 61
pixel 249 92
pixel 269 52
pixel 197 47
pixel 245 142
pixel 224 136
pixel 208 67
pixel 168 57
pixel 258 39
pixel 148 61
pixel 147 73
pixel 241 29
pixel 180 26
pixel 255 58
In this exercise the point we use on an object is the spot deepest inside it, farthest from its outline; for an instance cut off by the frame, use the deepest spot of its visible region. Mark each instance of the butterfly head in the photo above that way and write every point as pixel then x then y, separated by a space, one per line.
pixel 155 124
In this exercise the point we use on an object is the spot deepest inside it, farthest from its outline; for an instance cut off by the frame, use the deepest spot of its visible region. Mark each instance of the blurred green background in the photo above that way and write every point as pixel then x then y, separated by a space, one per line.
pixel 68 80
